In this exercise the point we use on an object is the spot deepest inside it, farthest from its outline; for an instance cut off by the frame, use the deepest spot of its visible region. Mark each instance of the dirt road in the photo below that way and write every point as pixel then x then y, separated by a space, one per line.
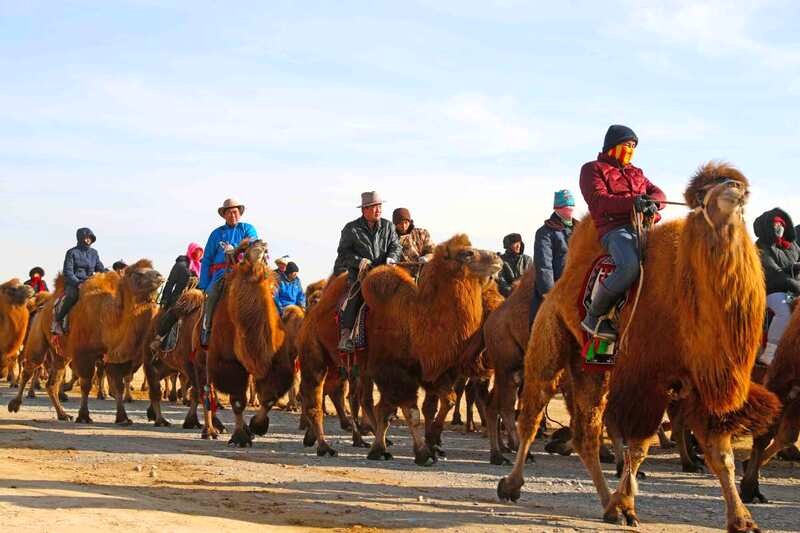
pixel 64 477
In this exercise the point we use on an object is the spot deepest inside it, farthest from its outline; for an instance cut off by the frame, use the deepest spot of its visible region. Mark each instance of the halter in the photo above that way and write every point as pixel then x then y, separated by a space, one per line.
pixel 720 182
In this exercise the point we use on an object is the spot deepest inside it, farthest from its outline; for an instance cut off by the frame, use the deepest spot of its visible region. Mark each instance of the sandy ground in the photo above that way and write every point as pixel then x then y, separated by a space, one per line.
pixel 57 476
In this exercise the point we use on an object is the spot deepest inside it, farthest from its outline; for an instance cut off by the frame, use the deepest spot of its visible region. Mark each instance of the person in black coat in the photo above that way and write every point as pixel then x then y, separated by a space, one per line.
pixel 515 263
pixel 780 259
pixel 365 243
pixel 80 263
pixel 180 277
pixel 550 248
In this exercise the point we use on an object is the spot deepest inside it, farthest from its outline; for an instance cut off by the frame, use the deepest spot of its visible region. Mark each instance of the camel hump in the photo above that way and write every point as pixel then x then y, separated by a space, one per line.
pixel 188 302
pixel 293 312
pixel 386 283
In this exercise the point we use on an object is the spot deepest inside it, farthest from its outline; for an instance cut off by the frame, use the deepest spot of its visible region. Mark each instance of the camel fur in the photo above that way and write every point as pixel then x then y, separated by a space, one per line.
pixel 694 337
pixel 14 315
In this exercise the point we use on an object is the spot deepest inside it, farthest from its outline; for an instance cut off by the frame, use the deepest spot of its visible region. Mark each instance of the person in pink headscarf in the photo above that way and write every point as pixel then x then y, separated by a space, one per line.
pixel 195 254
pixel 185 270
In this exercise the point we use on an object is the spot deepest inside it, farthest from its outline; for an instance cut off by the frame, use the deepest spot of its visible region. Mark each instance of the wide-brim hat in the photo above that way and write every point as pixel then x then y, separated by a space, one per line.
pixel 370 198
pixel 228 204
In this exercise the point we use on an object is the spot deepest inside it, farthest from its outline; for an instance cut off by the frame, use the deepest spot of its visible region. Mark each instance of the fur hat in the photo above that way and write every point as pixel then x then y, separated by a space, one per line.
pixel 370 198
pixel 400 214
pixel 36 270
pixel 228 204
pixel 563 198
pixel 618 134
pixel 291 266
pixel 510 239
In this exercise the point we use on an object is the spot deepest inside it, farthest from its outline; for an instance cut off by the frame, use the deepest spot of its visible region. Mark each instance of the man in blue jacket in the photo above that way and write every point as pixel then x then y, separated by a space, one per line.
pixel 80 263
pixel 550 248
pixel 222 241
pixel 290 289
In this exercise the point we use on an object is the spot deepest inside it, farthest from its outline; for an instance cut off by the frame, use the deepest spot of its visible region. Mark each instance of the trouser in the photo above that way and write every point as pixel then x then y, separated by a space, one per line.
pixel 70 299
pixel 536 301
pixel 354 303
pixel 623 245
pixel 778 304
pixel 165 323
pixel 212 297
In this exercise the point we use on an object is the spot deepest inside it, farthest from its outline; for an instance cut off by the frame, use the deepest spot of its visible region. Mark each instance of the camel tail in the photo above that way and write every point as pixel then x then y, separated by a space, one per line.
pixel 756 415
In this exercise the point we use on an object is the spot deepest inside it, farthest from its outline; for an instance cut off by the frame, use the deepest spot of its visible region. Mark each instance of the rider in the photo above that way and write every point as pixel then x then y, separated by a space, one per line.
pixel 80 263
pixel 515 263
pixel 222 240
pixel 290 289
pixel 416 242
pixel 550 248
pixel 366 242
pixel 184 274
pixel 36 280
pixel 777 246
pixel 613 188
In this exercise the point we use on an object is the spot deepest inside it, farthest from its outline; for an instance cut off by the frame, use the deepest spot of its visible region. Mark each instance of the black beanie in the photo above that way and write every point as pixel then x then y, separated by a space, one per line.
pixel 618 134
pixel 291 267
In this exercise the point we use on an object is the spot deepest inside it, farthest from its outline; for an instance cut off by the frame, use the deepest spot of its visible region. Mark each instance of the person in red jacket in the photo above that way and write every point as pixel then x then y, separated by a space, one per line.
pixel 613 189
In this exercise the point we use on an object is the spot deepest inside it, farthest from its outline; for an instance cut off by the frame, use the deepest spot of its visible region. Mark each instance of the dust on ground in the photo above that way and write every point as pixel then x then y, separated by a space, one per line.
pixel 62 477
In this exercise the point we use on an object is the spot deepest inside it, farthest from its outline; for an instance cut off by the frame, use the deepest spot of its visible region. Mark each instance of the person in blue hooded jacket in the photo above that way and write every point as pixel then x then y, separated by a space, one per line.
pixel 222 241
pixel 80 263
pixel 290 289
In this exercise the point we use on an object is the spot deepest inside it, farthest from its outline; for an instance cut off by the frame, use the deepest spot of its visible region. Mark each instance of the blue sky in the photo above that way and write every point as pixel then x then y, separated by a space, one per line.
pixel 137 118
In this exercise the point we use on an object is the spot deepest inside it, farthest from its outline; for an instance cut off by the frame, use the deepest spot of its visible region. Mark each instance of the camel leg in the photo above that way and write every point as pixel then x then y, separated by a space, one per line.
pixel 15 402
pixel 423 455
pixel 173 391
pixel 34 383
pixel 154 372
pixel 621 506
pixel 312 383
pixel 765 447
pixel 189 381
pixel 719 457
pixel 86 373
pixel 383 411
pixel 470 393
pixel 128 388
pixel 55 378
pixel 337 399
pixel 100 376
pixel 460 388
pixel 365 393
pixel 241 436
pixel 353 394
pixel 447 399
pixel 429 406
pixel 116 374
pixel 481 397
pixel 492 416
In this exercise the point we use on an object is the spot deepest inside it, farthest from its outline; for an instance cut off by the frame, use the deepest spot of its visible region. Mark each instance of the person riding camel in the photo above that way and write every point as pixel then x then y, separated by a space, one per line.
pixel 184 274
pixel 36 280
pixel 365 243
pixel 213 266
pixel 550 248
pixel 613 189
pixel 80 263
pixel 281 263
pixel 416 242
pixel 290 288
pixel 776 241
pixel 515 263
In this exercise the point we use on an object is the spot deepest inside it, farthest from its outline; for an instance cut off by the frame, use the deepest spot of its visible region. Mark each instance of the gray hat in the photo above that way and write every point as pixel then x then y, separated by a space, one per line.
pixel 370 198
pixel 229 203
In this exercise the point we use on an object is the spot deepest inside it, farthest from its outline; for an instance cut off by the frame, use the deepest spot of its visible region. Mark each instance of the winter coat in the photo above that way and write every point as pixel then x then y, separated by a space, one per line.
pixel 82 261
pixel 290 292
pixel 415 244
pixel 609 191
pixel 213 265
pixel 780 272
pixel 514 265
pixel 359 242
pixel 550 252
pixel 176 282
pixel 38 286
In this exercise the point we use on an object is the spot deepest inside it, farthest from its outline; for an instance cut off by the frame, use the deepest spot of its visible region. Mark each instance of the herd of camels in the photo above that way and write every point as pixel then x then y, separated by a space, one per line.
pixel 689 350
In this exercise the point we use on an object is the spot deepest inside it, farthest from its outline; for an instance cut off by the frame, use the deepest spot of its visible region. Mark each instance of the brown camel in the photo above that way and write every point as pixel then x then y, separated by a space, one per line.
pixel 417 335
pixel 693 339
pixel 14 313
pixel 783 378
pixel 249 338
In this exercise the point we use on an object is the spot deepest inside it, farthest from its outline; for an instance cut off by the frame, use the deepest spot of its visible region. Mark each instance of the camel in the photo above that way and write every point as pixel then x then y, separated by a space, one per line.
pixel 417 334
pixel 692 340
pixel 14 313
pixel 249 338
pixel 314 293
pixel 783 378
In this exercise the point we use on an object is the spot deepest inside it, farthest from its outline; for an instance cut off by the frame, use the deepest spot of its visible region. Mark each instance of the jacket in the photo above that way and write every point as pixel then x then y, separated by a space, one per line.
pixel 780 264
pixel 359 242
pixel 609 191
pixel 415 244
pixel 176 282
pixel 82 261
pixel 514 265
pixel 550 252
pixel 213 265
pixel 40 285
pixel 290 292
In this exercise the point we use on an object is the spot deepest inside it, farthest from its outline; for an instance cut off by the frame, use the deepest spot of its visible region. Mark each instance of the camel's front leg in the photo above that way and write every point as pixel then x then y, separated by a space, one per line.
pixel 719 457
pixel 622 505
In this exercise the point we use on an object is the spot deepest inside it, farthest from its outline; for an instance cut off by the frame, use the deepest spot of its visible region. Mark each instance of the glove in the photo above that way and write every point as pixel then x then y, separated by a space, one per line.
pixel 364 264
pixel 227 248
pixel 390 261
pixel 645 205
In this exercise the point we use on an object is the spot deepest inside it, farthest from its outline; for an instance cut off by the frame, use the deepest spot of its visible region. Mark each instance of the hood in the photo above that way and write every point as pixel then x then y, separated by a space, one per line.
pixel 82 233
pixel 192 247
pixel 512 238
pixel 762 226
pixel 182 259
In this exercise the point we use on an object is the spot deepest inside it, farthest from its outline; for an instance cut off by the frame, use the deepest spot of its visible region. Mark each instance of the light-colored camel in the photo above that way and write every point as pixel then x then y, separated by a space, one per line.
pixel 14 314
pixel 693 339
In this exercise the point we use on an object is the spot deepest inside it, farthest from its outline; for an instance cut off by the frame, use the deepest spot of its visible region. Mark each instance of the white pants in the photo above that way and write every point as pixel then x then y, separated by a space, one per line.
pixel 777 304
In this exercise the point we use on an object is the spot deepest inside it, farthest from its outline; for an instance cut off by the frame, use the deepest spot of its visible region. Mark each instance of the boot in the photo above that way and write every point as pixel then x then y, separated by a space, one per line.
pixel 766 357
pixel 595 324
pixel 345 342
pixel 205 335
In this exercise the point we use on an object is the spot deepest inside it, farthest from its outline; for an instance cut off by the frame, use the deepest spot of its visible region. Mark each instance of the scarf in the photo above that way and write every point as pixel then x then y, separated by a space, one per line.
pixel 194 264
pixel 37 284
pixel 621 153
pixel 779 240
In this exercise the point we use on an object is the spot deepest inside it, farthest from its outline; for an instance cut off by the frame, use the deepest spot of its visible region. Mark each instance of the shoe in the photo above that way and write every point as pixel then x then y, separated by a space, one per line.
pixel 57 328
pixel 345 342
pixel 205 335
pixel 766 357
pixel 599 328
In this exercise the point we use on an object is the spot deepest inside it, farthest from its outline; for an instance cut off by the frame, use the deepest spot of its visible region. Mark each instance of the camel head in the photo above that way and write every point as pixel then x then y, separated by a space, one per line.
pixel 15 293
pixel 720 191
pixel 142 279
pixel 255 252
pixel 457 254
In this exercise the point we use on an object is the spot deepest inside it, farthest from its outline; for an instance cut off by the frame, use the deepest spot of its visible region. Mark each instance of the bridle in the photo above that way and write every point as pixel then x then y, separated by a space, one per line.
pixel 707 192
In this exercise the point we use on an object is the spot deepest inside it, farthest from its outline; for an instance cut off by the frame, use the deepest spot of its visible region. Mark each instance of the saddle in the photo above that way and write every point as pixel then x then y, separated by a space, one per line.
pixel 599 355
pixel 171 340
pixel 57 309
